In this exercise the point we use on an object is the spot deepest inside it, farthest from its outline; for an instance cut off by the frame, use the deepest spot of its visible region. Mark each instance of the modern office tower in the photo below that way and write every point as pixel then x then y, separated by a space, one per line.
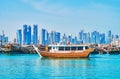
pixel 76 41
pixel 93 37
pixel 29 35
pixel 57 37
pixel 53 37
pixel 3 36
pixel 6 40
pixel 109 38
pixel 116 37
pixel 35 34
pixel 69 38
pixel 97 37
pixel 43 36
pixel 81 36
pixel 47 38
pixel 19 36
pixel 84 38
pixel 102 38
pixel 88 38
pixel 73 41
pixel 0 39
pixel 64 39
pixel 26 34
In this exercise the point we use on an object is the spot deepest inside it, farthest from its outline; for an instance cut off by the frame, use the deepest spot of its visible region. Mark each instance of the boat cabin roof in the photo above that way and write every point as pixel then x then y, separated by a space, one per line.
pixel 65 45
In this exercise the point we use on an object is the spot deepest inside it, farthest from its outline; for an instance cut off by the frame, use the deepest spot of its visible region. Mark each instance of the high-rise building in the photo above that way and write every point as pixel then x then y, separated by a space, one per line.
pixel 45 37
pixel 6 40
pixel 19 36
pixel 81 36
pixel 52 36
pixel 29 35
pixel 57 37
pixel 70 38
pixel 26 34
pixel 93 37
pixel 35 34
pixel 64 39
pixel 88 38
pixel 109 38
pixel 0 39
pixel 97 37
pixel 102 38
pixel 84 37
pixel 75 40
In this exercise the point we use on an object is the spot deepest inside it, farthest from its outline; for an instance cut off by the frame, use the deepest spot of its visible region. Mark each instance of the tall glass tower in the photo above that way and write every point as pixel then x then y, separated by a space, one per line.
pixel 19 36
pixel 35 34
pixel 57 37
pixel 102 38
pixel 43 36
pixel 109 40
pixel 29 35
pixel 26 34
pixel 81 36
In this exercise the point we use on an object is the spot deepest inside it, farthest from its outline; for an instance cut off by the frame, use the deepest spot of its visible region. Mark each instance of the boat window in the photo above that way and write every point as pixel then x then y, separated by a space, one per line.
pixel 73 48
pixel 61 48
pixel 49 48
pixel 67 48
pixel 53 47
pixel 80 48
pixel 86 47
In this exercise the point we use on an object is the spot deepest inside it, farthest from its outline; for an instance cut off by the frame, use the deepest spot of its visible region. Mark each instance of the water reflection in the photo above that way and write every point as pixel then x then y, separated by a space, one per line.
pixel 66 67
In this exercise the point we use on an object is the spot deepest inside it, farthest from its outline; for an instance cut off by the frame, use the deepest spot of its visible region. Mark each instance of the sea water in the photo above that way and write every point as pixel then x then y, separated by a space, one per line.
pixel 27 66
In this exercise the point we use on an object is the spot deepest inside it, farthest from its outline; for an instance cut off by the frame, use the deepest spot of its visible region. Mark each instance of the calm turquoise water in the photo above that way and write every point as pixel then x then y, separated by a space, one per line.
pixel 35 67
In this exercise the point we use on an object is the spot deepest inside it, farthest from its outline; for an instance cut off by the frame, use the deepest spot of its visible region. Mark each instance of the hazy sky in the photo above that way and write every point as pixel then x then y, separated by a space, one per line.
pixel 65 16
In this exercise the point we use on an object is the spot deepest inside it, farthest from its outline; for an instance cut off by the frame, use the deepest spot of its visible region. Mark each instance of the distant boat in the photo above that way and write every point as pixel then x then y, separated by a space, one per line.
pixel 65 51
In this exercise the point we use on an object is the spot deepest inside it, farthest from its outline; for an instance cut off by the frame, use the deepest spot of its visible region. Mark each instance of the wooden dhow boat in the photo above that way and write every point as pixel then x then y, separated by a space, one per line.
pixel 65 51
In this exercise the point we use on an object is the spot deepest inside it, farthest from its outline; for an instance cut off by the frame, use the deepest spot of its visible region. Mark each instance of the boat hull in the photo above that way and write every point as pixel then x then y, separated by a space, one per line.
pixel 84 54
pixel 62 54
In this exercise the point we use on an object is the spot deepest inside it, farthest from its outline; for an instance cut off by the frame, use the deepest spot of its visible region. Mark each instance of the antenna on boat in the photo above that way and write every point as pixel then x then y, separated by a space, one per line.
pixel 36 50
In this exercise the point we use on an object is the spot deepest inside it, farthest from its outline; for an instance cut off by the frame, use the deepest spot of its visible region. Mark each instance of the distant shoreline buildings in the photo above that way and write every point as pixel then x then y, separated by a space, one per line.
pixel 28 36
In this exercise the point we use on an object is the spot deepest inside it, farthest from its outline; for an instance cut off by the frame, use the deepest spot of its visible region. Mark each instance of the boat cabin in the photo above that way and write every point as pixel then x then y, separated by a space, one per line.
pixel 67 47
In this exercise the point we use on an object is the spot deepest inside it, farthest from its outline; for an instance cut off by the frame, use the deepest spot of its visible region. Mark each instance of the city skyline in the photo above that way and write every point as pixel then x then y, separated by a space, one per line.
pixel 29 35
pixel 60 15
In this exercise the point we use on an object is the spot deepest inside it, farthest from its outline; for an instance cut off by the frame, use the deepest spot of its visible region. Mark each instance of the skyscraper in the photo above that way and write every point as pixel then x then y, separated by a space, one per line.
pixel 19 36
pixel 45 37
pixel 0 39
pixel 26 34
pixel 29 35
pixel 93 37
pixel 53 37
pixel 35 34
pixel 102 38
pixel 6 39
pixel 57 37
pixel 97 37
pixel 109 38
pixel 64 39
pixel 70 38
pixel 84 37
pixel 81 36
